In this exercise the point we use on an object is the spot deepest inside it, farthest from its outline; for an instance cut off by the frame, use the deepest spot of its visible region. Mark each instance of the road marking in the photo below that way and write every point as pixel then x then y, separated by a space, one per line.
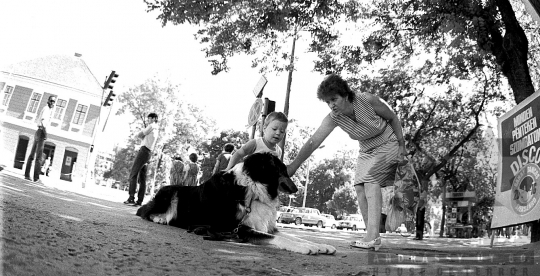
pixel 55 196
pixel 99 205
pixel 11 188
pixel 68 217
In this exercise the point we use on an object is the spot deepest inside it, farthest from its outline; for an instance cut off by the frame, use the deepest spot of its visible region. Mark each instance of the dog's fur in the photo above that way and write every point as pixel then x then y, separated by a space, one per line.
pixel 242 201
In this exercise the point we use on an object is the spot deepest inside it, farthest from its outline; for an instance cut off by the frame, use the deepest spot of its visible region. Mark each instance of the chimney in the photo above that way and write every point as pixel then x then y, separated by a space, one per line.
pixel 78 55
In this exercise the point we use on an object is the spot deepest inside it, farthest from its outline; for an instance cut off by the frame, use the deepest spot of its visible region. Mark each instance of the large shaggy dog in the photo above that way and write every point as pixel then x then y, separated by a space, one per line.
pixel 241 203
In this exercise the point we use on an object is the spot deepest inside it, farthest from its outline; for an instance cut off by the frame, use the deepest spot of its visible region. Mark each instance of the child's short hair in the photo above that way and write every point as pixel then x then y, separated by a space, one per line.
pixel 280 116
pixel 228 147
pixel 193 157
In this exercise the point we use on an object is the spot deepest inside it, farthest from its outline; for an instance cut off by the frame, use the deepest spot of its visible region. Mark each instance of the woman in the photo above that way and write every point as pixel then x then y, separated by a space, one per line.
pixel 177 171
pixel 192 171
pixel 369 120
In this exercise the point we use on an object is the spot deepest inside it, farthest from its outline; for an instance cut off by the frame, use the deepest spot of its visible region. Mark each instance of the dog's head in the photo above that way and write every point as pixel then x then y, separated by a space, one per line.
pixel 266 168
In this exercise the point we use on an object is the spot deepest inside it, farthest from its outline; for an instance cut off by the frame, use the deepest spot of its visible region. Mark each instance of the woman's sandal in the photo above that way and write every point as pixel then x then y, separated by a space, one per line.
pixel 374 244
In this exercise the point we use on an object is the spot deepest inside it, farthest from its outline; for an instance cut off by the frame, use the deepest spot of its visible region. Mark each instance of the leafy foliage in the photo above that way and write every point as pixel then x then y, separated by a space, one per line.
pixel 344 200
pixel 123 160
pixel 257 28
pixel 181 125
pixel 215 146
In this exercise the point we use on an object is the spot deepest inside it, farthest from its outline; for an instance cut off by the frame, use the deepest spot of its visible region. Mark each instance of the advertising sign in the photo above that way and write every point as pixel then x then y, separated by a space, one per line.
pixel 516 199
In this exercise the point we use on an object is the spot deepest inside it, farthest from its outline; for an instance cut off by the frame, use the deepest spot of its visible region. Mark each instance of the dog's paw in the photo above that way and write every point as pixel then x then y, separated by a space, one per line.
pixel 158 219
pixel 306 249
pixel 327 249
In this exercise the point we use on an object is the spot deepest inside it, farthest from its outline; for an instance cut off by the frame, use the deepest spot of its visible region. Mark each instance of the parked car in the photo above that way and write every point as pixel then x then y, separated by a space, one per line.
pixel 283 209
pixel 330 221
pixel 303 215
pixel 354 222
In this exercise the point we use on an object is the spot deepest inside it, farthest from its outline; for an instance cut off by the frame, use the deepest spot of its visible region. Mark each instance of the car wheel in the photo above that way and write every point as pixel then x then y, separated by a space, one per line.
pixel 298 221
pixel 333 226
pixel 354 227
pixel 319 224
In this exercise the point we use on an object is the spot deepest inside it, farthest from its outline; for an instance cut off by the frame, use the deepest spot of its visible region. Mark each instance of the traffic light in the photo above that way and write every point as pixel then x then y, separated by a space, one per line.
pixel 109 99
pixel 269 106
pixel 110 80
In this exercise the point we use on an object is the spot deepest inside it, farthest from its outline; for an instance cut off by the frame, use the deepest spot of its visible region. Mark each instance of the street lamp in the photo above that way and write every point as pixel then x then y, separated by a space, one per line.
pixel 307 180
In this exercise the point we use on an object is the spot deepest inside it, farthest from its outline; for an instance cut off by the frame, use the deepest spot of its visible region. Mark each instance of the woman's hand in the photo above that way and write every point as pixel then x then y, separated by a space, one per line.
pixel 290 170
pixel 402 153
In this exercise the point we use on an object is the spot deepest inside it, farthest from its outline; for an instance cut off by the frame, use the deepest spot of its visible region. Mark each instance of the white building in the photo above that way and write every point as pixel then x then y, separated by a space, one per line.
pixel 25 88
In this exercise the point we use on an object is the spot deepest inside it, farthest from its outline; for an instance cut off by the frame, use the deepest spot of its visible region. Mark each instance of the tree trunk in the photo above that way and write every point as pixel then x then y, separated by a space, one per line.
pixel 420 221
pixel 511 51
pixel 535 231
pixel 443 219
pixel 421 213
pixel 287 96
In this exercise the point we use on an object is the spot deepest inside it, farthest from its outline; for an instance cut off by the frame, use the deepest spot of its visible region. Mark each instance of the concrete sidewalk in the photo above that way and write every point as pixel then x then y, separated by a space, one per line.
pixel 90 190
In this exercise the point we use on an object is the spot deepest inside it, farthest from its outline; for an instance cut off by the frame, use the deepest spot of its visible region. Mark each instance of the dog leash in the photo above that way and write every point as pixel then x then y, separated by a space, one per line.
pixel 241 223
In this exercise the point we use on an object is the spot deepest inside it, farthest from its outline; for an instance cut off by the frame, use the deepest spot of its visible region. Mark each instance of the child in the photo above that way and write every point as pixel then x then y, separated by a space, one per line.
pixel 192 171
pixel 274 129
pixel 222 161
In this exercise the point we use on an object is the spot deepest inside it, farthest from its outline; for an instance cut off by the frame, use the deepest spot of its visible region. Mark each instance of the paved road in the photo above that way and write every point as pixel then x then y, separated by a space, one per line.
pixel 53 229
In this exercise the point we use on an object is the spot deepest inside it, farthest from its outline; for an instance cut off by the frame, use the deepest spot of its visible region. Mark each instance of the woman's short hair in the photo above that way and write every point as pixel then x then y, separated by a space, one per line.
pixel 333 84
pixel 280 116
pixel 193 157
pixel 228 147
pixel 152 115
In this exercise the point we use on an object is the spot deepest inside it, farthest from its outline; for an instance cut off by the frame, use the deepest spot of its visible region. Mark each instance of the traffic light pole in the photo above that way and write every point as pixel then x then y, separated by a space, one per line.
pixel 111 79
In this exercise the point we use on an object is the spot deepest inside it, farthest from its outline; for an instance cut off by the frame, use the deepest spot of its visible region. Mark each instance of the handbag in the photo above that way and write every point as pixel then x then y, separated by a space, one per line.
pixel 395 216
pixel 405 198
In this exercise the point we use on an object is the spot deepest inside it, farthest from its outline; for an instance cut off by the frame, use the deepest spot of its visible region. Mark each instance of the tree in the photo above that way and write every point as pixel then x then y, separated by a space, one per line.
pixel 123 160
pixel 328 176
pixel 297 135
pixel 260 29
pixel 344 200
pixel 215 147
pixel 180 124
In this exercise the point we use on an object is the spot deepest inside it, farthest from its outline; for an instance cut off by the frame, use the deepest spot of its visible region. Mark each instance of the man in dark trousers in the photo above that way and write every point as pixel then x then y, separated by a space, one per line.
pixel 138 170
pixel 43 121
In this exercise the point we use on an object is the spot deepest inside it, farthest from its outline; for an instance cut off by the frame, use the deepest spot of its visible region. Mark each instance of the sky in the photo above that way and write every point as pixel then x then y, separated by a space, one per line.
pixel 120 35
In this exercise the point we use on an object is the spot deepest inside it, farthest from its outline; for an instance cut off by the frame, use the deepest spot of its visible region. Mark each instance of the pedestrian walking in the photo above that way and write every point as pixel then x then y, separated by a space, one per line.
pixel 222 161
pixel 138 170
pixel 369 120
pixel 43 121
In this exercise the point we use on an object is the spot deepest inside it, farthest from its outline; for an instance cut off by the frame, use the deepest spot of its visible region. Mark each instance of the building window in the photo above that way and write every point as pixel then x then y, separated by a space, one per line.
pixel 7 95
pixel 59 110
pixel 34 103
pixel 80 113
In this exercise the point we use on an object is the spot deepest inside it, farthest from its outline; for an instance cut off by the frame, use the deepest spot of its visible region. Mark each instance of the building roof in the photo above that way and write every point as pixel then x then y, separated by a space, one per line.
pixel 70 71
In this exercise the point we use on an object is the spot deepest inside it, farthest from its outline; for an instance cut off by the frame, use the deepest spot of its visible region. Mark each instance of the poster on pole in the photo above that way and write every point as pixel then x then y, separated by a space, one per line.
pixel 517 195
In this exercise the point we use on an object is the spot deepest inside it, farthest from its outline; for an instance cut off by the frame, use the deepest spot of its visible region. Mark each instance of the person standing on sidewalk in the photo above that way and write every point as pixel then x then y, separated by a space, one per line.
pixel 369 120
pixel 43 121
pixel 138 170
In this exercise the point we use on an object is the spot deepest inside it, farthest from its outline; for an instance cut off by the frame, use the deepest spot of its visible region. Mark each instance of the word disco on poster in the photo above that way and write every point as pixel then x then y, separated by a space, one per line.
pixel 517 195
